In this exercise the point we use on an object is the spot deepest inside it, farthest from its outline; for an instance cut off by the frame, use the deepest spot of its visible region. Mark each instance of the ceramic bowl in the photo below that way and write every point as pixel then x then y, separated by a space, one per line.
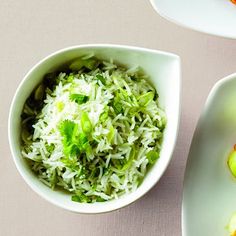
pixel 216 17
pixel 164 71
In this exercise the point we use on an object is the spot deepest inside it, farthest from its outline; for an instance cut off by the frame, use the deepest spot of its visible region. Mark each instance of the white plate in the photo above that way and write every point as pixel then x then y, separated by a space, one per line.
pixel 217 17
pixel 209 197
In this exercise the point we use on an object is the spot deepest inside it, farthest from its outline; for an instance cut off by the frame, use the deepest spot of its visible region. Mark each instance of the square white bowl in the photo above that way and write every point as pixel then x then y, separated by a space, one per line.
pixel 164 71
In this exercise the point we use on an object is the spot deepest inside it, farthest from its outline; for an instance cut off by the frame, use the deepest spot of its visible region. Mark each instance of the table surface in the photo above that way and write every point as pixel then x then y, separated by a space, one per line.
pixel 30 30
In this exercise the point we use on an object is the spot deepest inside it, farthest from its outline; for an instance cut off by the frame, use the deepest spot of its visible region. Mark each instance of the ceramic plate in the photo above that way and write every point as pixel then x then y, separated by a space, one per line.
pixel 217 17
pixel 209 197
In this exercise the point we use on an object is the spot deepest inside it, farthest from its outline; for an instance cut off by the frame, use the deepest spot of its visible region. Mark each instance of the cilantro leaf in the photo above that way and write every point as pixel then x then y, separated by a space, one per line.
pixel 68 130
pixel 74 142
pixel 79 98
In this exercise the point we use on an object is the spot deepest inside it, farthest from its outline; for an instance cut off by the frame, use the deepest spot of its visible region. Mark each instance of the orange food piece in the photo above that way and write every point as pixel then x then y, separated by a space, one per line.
pixel 234 234
pixel 233 1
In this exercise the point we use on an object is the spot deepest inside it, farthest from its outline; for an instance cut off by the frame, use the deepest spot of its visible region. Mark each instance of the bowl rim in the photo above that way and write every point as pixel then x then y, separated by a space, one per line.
pixel 91 46
pixel 185 25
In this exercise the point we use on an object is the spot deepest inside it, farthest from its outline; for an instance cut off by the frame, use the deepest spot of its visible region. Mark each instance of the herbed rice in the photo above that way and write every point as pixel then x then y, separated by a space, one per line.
pixel 93 130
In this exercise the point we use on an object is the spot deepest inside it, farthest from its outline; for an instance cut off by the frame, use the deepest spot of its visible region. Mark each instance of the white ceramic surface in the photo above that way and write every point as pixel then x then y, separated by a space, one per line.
pixel 164 71
pixel 209 189
pixel 217 17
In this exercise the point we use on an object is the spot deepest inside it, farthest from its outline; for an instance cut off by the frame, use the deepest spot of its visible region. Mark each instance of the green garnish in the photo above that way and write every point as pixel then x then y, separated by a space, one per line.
pixel 79 63
pixel 39 92
pixel 86 123
pixel 146 98
pixel 111 134
pixel 152 156
pixel 80 198
pixel 130 161
pixel 117 105
pixel 101 78
pixel 79 98
pixel 74 141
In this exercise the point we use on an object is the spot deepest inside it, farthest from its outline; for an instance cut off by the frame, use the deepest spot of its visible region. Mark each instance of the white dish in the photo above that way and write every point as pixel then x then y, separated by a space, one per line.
pixel 209 189
pixel 164 71
pixel 216 17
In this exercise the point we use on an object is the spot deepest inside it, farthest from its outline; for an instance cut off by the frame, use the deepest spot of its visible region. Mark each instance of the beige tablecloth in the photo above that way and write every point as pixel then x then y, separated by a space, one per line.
pixel 32 29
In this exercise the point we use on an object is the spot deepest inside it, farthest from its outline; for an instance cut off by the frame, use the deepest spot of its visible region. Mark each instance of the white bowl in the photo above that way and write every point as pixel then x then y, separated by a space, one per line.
pixel 216 17
pixel 209 188
pixel 164 71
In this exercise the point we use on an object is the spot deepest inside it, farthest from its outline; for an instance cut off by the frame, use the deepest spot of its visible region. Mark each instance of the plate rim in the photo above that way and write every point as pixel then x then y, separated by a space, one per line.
pixel 208 101
pixel 186 26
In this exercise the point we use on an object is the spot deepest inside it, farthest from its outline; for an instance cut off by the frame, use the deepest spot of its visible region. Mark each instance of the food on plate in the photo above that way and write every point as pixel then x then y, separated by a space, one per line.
pixel 94 129
pixel 232 161
pixel 233 1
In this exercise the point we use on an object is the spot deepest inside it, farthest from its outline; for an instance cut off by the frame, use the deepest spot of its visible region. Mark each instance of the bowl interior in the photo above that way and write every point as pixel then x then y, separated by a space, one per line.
pixel 164 71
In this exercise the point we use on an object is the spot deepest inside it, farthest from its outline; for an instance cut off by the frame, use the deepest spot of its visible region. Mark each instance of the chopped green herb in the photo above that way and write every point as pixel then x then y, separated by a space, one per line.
pixel 39 93
pixel 111 134
pixel 74 141
pixel 117 105
pixel 79 63
pixel 86 123
pixel 79 98
pixel 81 198
pixel 101 78
pixel 69 131
pixel 130 161
pixel 152 156
pixel 146 98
